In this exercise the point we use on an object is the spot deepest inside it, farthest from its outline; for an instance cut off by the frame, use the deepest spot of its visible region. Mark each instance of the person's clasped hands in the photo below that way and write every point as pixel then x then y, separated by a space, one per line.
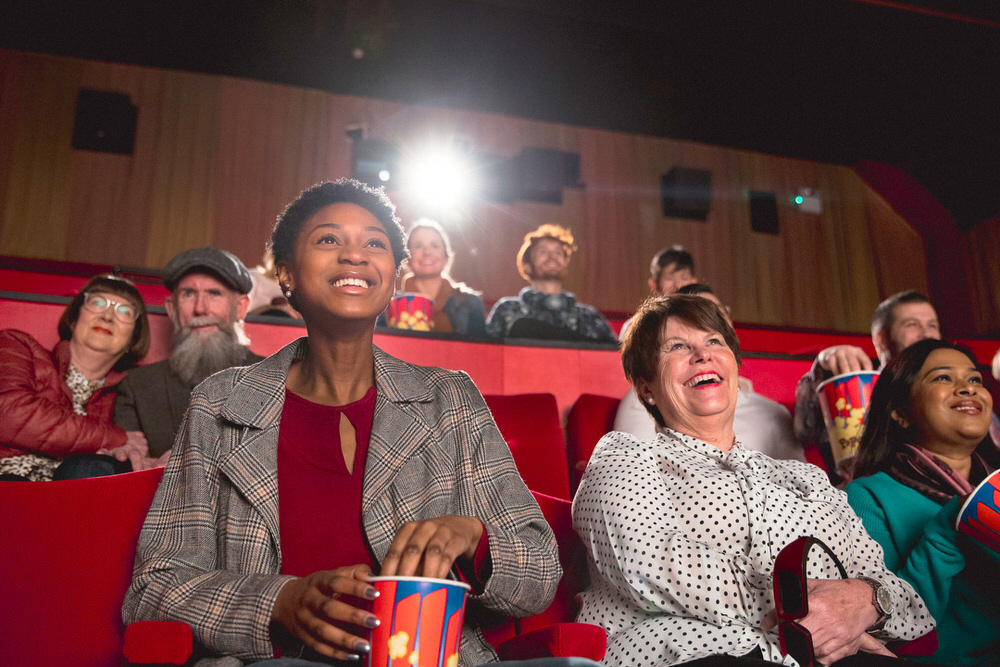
pixel 314 609
pixel 840 613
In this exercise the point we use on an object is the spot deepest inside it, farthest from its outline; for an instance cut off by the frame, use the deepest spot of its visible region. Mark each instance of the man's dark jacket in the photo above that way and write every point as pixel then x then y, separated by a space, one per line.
pixel 153 399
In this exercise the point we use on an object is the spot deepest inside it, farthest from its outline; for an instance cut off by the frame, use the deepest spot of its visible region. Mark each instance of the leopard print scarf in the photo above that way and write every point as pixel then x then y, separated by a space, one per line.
pixel 82 389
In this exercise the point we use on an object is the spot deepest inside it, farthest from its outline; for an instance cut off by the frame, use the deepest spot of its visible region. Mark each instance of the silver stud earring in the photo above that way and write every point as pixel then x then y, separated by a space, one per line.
pixel 651 400
pixel 286 291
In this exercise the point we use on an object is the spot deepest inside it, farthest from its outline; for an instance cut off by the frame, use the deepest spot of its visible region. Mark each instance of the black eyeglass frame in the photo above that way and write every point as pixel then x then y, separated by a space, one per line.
pixel 790 570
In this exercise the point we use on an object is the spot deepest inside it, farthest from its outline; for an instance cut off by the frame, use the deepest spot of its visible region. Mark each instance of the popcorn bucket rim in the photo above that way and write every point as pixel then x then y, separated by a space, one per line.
pixel 819 387
pixel 975 492
pixel 429 580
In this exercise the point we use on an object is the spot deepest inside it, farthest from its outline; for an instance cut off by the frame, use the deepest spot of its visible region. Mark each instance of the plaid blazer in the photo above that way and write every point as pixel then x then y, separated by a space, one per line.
pixel 209 550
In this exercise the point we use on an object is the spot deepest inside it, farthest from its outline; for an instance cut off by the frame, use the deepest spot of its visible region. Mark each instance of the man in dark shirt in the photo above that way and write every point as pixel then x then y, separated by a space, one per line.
pixel 543 309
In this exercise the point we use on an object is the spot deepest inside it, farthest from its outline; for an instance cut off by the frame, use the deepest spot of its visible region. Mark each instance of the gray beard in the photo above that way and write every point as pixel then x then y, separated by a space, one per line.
pixel 195 357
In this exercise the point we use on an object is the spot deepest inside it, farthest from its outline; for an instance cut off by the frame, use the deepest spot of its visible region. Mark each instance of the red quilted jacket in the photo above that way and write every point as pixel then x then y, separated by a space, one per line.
pixel 36 406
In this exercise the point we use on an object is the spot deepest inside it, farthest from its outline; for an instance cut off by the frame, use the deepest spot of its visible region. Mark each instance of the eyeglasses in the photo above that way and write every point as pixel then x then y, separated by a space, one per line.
pixel 791 598
pixel 97 304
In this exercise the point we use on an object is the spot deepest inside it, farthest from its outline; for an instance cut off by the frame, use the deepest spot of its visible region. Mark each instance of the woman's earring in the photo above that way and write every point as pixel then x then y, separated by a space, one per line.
pixel 651 400
pixel 286 291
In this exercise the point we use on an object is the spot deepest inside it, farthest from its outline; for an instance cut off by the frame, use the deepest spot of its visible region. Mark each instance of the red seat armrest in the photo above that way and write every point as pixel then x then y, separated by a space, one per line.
pixel 926 644
pixel 559 640
pixel 158 643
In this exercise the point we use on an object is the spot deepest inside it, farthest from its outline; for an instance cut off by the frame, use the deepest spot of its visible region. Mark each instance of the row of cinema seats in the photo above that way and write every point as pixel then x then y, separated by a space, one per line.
pixel 530 425
pixel 71 546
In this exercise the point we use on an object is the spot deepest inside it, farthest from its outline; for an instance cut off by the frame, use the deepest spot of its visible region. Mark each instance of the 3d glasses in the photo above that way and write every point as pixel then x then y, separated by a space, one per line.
pixel 791 597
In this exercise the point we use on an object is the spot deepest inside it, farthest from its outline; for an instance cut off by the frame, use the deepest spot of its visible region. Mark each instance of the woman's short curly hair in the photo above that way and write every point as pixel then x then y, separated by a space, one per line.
pixel 640 348
pixel 125 289
pixel 343 191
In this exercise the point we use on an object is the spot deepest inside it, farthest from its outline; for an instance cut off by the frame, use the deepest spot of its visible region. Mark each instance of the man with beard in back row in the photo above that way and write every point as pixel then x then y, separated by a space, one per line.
pixel 208 300
pixel 543 309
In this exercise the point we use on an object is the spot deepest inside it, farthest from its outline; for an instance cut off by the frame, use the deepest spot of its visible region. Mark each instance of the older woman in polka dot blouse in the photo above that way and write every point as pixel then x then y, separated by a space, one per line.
pixel 683 530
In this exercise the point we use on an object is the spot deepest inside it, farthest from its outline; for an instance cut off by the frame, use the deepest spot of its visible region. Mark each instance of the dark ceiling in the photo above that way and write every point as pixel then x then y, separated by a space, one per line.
pixel 910 83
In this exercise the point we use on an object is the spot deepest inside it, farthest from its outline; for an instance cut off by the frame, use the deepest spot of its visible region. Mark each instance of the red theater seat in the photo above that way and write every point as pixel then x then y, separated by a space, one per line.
pixel 530 425
pixel 589 419
pixel 67 561
pixel 553 631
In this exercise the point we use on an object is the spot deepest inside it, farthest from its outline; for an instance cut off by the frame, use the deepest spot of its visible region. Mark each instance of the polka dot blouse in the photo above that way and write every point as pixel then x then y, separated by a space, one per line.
pixel 682 539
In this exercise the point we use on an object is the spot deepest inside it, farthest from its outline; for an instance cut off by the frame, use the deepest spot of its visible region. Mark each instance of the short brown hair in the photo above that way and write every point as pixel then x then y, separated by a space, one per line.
pixel 885 312
pixel 127 290
pixel 640 348
pixel 676 255
pixel 548 231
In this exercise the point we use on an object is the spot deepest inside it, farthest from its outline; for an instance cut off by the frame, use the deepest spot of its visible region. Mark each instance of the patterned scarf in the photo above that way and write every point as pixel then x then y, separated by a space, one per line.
pixel 922 471
pixel 82 389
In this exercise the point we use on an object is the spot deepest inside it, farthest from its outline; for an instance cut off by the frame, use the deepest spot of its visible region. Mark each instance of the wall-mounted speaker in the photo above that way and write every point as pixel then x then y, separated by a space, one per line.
pixel 104 122
pixel 686 193
pixel 544 172
pixel 763 212
pixel 373 161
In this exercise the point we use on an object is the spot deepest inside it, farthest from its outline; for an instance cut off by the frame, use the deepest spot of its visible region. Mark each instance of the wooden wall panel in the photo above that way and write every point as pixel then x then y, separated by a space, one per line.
pixel 116 189
pixel 273 142
pixel 900 258
pixel 37 194
pixel 185 179
pixel 217 158
pixel 982 248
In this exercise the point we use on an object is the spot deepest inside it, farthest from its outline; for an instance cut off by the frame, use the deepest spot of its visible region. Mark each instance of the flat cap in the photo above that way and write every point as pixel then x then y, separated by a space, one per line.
pixel 221 263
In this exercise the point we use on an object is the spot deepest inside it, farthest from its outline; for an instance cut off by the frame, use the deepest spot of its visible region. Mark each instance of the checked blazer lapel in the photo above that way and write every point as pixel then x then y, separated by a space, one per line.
pixel 253 471
pixel 251 459
pixel 399 430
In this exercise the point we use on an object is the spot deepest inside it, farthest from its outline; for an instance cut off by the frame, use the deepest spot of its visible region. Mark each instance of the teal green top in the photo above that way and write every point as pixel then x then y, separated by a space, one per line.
pixel 922 546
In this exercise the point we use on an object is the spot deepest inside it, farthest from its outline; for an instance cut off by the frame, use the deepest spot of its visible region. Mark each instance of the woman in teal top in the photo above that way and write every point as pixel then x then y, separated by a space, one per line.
pixel 924 449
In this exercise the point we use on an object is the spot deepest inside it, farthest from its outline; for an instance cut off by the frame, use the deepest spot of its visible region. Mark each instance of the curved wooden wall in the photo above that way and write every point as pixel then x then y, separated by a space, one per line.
pixel 216 158
pixel 982 252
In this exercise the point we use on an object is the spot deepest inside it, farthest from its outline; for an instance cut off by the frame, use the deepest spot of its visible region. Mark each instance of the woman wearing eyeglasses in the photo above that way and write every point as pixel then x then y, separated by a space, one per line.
pixel 58 403
pixel 925 447
pixel 683 530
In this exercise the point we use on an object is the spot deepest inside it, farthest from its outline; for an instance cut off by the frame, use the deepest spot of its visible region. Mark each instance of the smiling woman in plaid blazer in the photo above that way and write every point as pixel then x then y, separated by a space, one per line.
pixel 295 478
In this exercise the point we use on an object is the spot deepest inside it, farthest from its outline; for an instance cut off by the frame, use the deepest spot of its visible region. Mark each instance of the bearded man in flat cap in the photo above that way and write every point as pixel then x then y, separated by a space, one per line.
pixel 208 300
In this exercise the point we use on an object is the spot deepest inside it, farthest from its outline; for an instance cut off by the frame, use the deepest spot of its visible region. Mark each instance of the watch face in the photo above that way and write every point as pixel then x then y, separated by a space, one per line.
pixel 884 599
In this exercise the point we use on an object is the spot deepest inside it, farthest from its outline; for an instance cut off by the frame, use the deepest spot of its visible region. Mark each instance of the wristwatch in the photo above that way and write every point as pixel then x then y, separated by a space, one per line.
pixel 883 601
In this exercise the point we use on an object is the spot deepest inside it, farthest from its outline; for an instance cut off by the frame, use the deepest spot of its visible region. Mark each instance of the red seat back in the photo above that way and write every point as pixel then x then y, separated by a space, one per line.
pixel 530 425
pixel 590 418
pixel 572 558
pixel 67 561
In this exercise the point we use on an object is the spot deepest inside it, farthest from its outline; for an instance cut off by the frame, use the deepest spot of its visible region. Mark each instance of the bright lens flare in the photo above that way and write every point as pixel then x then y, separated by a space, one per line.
pixel 441 178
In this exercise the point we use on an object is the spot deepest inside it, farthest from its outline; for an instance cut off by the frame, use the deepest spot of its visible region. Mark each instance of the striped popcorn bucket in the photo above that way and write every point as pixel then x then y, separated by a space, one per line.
pixel 844 400
pixel 421 622
pixel 980 515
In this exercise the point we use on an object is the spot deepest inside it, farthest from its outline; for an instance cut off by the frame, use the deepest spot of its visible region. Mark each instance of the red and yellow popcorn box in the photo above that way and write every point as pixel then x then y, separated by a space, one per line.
pixel 844 400
pixel 411 311
pixel 421 622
